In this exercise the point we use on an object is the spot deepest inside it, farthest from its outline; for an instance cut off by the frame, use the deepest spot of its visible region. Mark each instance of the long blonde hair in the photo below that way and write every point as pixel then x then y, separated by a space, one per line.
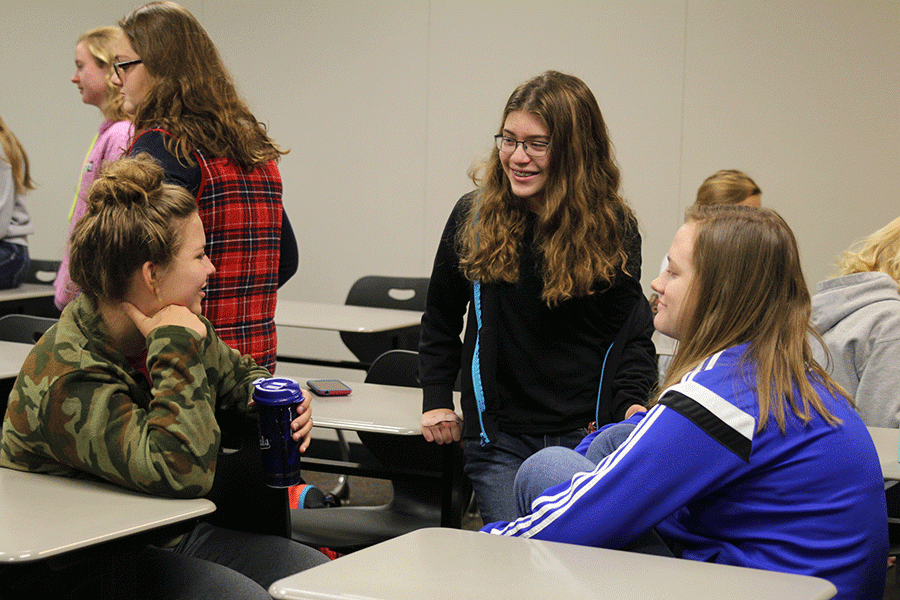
pixel 749 287
pixel 878 252
pixel 101 44
pixel 583 224
pixel 16 156
pixel 192 95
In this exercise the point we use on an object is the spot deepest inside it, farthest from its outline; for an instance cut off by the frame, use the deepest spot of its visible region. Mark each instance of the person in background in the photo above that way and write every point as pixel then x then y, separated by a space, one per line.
pixel 15 222
pixel 94 56
pixel 858 315
pixel 751 454
pixel 546 256
pixel 727 186
pixel 131 385
pixel 188 116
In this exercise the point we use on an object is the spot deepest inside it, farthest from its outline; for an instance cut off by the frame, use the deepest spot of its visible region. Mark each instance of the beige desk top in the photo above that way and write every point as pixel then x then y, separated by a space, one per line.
pixel 369 407
pixel 27 291
pixel 44 515
pixel 12 355
pixel 341 317
pixel 886 443
pixel 440 563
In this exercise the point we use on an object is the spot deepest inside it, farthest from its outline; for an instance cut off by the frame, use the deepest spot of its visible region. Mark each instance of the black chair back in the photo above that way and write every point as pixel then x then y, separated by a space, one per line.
pixel 41 271
pixel 379 291
pixel 25 329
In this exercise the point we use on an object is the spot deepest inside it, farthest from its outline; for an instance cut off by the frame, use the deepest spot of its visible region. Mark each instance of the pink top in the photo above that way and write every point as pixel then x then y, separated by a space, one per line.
pixel 111 142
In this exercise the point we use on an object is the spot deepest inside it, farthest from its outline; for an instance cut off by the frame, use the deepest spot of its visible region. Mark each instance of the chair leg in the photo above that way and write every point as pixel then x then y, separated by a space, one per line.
pixel 341 490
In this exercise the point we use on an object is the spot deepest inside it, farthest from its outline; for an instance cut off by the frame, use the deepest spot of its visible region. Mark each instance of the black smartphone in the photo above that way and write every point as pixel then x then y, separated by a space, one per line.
pixel 328 387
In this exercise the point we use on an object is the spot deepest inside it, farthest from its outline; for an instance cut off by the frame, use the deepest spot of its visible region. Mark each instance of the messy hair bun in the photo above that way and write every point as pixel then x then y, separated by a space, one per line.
pixel 133 217
pixel 127 185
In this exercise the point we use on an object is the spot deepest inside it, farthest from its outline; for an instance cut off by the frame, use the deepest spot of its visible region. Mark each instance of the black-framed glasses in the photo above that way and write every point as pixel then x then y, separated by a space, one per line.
pixel 122 67
pixel 508 145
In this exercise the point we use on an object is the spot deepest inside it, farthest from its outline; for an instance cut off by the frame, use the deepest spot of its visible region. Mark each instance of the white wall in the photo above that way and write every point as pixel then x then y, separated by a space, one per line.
pixel 385 104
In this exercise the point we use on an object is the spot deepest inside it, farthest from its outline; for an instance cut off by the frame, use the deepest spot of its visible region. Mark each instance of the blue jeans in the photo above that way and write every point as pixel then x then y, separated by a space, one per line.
pixel 492 469
pixel 606 442
pixel 552 466
pixel 13 264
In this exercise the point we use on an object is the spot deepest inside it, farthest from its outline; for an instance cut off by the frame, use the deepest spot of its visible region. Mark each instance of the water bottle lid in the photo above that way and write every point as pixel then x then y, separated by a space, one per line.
pixel 276 390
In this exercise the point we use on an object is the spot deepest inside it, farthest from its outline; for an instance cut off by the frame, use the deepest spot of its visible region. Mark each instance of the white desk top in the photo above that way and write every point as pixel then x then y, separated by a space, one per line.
pixel 886 443
pixel 26 291
pixel 440 563
pixel 12 356
pixel 44 515
pixel 342 317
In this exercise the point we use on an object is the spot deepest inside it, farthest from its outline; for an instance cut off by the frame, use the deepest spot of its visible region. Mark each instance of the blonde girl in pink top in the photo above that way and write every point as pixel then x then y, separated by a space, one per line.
pixel 94 52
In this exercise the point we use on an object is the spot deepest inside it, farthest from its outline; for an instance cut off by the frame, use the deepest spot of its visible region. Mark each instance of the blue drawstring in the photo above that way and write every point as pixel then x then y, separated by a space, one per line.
pixel 476 364
pixel 600 390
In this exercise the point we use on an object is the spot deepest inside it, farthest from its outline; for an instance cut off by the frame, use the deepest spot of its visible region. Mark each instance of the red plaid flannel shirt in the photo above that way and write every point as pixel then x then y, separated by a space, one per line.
pixel 241 213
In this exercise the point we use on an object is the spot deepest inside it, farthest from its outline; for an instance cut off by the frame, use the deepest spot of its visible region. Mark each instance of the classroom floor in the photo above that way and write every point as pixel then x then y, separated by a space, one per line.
pixel 370 492
pixel 892 585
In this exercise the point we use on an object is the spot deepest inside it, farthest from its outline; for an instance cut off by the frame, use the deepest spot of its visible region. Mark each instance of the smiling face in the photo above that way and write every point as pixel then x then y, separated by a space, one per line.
pixel 674 284
pixel 527 175
pixel 90 77
pixel 183 280
pixel 134 80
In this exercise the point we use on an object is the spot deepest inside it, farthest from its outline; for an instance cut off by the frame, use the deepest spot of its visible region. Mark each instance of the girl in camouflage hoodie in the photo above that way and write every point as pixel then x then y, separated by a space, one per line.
pixel 131 383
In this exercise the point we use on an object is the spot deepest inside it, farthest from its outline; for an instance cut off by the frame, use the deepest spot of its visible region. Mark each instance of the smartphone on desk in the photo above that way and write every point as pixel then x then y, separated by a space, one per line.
pixel 328 387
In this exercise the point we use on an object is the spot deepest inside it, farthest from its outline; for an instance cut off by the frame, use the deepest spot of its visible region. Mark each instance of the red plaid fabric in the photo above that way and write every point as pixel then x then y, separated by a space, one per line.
pixel 241 213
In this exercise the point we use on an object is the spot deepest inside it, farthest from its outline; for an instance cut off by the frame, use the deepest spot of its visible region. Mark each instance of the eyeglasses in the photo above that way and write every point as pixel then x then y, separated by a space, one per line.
pixel 508 145
pixel 122 67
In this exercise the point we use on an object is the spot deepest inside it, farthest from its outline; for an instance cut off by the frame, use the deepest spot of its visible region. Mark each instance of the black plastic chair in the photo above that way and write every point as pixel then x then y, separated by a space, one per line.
pixel 379 291
pixel 430 488
pixel 25 329
pixel 41 271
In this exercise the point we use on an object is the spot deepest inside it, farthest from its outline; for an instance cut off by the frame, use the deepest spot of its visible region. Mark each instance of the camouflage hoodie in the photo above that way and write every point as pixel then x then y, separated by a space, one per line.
pixel 78 406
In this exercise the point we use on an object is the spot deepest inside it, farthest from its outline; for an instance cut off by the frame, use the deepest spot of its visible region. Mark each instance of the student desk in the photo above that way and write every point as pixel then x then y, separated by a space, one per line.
pixel 340 317
pixel 386 409
pixel 440 563
pixel 371 407
pixel 29 299
pixel 343 317
pixel 12 356
pixel 42 516
pixel 886 443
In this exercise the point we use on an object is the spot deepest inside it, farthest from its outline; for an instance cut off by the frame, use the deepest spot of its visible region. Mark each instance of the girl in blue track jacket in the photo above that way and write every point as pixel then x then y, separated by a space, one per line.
pixel 750 455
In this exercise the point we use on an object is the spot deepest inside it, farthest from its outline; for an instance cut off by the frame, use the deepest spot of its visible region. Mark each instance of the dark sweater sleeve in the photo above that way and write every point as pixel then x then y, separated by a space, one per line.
pixel 634 360
pixel 440 348
pixel 637 375
pixel 153 142
pixel 289 256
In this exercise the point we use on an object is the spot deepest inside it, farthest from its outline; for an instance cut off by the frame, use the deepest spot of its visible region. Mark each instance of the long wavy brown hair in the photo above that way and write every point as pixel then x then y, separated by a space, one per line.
pixel 192 95
pixel 582 224
pixel 749 287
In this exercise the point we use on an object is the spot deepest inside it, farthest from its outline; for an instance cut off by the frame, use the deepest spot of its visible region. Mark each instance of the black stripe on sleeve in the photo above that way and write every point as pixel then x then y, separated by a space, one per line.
pixel 715 427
